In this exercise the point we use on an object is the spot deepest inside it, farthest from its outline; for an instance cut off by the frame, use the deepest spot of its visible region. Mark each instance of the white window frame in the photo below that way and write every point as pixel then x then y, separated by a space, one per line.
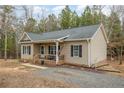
pixel 43 49
pixel 26 49
pixel 76 51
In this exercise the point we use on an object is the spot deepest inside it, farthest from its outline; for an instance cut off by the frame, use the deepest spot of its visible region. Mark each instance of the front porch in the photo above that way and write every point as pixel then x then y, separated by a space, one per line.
pixel 48 59
pixel 48 53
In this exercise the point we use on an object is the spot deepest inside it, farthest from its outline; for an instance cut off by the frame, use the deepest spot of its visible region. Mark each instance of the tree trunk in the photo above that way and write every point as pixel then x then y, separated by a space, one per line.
pixel 17 56
pixel 118 55
pixel 5 51
pixel 121 48
pixel 111 53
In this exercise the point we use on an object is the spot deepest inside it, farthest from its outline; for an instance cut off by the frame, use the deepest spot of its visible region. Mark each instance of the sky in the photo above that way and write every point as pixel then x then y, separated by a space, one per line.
pixel 56 9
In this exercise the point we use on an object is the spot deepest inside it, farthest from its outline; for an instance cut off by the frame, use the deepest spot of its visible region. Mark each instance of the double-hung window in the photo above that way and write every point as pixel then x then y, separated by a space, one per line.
pixel 52 49
pixel 76 50
pixel 27 50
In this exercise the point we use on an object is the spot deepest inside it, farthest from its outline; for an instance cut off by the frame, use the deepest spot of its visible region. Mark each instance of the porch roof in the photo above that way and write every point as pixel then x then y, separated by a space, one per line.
pixel 82 33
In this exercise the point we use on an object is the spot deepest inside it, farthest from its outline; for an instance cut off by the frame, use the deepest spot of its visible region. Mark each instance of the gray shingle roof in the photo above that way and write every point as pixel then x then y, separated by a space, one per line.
pixel 74 33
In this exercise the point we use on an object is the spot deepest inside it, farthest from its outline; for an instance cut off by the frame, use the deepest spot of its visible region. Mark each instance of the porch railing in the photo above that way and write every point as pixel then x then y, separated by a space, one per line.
pixel 50 57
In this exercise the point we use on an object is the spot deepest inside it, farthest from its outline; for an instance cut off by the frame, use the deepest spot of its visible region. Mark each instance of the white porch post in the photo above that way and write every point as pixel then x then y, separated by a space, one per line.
pixel 57 52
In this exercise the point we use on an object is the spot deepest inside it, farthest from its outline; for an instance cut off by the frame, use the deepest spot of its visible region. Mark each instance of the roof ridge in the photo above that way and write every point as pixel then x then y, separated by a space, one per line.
pixel 65 29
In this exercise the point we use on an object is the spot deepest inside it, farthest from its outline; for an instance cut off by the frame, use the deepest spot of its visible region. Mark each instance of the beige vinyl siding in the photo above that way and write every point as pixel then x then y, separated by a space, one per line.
pixel 36 49
pixel 27 56
pixel 98 47
pixel 76 60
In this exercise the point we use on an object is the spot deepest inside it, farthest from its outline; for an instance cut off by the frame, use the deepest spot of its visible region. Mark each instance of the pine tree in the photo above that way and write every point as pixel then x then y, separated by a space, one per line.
pixel 65 18
pixel 74 22
pixel 114 25
pixel 95 15
pixel 86 18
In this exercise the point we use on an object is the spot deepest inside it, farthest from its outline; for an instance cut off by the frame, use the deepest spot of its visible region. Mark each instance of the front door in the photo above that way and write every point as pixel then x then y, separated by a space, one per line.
pixel 42 51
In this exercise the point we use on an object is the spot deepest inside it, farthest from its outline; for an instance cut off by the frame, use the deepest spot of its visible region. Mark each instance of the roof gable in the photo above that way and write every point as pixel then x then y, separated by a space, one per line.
pixel 101 28
pixel 25 37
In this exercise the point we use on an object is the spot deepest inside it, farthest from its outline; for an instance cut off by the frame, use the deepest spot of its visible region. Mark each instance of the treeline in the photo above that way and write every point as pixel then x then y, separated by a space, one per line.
pixel 12 25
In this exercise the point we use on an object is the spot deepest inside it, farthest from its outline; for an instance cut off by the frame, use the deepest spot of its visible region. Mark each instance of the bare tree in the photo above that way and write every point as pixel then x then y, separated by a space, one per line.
pixel 6 15
pixel 118 41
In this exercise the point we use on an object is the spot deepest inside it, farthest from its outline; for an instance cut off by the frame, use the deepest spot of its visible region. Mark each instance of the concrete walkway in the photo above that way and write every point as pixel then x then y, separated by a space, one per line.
pixel 34 66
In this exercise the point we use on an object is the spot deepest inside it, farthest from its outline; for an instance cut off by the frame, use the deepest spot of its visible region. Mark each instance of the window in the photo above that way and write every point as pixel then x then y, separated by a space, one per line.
pixel 52 49
pixel 76 50
pixel 42 50
pixel 27 50
pixel 24 49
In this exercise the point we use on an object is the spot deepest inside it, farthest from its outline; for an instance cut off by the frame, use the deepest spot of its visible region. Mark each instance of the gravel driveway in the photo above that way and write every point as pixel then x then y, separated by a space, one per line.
pixel 81 78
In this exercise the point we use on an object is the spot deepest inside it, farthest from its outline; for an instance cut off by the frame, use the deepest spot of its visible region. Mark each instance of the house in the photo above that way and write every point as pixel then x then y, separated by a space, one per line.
pixel 85 45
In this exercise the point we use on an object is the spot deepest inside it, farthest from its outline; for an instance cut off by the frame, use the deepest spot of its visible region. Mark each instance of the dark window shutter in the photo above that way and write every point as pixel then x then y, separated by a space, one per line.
pixel 80 50
pixel 49 50
pixel 71 50
pixel 29 50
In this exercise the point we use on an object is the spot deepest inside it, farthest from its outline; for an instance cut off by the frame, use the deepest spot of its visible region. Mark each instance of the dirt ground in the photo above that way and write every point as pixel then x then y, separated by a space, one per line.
pixel 115 64
pixel 14 75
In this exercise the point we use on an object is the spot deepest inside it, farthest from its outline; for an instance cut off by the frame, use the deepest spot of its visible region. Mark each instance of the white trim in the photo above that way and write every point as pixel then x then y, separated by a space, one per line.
pixel 26 51
pixel 27 42
pixel 77 50
pixel 29 37
pixel 100 29
pixel 77 39
pixel 103 30
pixel 23 36
pixel 53 40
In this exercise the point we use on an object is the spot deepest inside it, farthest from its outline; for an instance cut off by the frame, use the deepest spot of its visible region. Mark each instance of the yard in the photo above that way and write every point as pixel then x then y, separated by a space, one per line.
pixel 14 74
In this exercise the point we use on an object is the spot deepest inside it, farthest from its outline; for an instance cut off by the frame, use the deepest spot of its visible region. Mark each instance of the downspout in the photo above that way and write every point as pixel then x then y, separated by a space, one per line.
pixel 89 52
